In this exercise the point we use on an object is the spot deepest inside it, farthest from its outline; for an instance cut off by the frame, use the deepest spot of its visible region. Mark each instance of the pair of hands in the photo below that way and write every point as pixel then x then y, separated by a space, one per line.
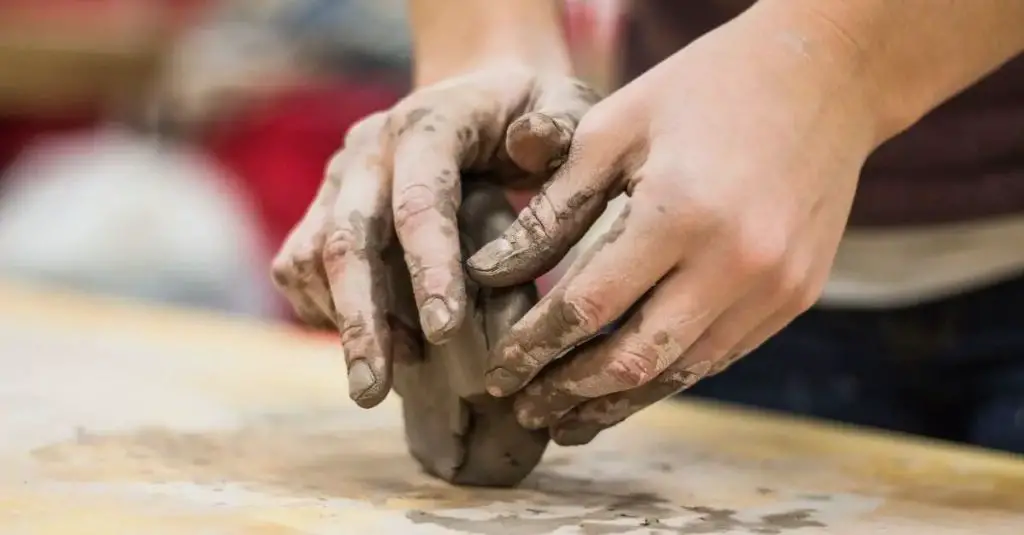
pixel 740 173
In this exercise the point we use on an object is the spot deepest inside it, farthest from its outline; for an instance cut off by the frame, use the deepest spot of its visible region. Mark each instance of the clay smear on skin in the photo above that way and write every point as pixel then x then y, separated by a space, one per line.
pixel 445 199
pixel 586 421
pixel 368 386
pixel 548 331
pixel 556 395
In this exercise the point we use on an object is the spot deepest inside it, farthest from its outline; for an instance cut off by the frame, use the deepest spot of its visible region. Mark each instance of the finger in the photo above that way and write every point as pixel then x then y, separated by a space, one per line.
pixel 556 218
pixel 538 142
pixel 353 260
pixel 714 349
pixel 659 333
pixel 719 344
pixel 583 423
pixel 760 334
pixel 426 201
pixel 600 287
pixel 293 280
pixel 296 269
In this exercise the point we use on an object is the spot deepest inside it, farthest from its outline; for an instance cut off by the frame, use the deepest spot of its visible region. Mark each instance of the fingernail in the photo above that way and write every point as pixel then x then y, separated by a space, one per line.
pixel 435 316
pixel 540 126
pixel 501 382
pixel 574 433
pixel 491 255
pixel 361 380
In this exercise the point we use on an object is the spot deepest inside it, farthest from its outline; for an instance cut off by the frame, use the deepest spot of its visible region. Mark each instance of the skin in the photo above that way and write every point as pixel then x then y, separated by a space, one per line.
pixel 740 156
pixel 396 183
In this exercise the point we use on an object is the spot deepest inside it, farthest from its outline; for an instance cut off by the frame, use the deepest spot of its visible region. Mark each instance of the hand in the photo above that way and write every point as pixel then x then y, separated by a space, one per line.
pixel 399 172
pixel 740 162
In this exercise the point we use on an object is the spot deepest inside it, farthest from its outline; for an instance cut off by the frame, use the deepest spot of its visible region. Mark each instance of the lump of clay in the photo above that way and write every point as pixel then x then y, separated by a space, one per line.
pixel 453 427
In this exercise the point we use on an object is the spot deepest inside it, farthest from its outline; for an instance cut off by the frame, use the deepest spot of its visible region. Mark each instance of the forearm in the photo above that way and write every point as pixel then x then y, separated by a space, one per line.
pixel 455 36
pixel 905 57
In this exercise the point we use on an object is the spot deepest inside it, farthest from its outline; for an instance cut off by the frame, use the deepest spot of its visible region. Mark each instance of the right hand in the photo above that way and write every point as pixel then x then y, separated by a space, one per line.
pixel 399 173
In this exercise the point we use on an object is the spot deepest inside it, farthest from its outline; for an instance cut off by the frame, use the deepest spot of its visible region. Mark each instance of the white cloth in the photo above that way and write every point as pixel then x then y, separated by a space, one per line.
pixel 899 267
pixel 116 213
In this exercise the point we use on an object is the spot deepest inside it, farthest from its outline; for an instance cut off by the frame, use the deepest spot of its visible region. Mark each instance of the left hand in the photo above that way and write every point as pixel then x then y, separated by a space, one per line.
pixel 740 156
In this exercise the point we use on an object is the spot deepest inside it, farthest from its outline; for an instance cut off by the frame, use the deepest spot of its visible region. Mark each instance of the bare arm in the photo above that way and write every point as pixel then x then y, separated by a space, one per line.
pixel 455 36
pixel 907 56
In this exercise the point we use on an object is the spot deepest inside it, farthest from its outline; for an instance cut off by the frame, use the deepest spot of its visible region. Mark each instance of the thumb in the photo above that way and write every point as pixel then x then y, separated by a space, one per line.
pixel 538 142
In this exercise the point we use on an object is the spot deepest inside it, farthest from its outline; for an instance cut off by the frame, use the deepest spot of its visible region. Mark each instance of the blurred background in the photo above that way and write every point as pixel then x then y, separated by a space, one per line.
pixel 162 149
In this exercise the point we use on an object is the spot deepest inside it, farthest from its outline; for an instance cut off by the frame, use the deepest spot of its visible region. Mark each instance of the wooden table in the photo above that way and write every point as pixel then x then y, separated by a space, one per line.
pixel 124 420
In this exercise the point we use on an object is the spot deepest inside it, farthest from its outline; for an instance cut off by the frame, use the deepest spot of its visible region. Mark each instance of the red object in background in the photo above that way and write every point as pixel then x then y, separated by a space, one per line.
pixel 279 150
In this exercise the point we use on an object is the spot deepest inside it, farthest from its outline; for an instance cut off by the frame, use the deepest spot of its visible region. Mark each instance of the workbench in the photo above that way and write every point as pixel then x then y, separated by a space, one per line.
pixel 122 419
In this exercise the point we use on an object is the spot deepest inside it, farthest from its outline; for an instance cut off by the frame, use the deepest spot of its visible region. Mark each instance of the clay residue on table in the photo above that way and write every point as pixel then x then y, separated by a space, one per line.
pixel 628 515
pixel 301 457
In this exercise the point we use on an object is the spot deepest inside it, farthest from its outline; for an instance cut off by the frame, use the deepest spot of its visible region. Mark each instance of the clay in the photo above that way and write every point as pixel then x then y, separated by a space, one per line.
pixel 453 427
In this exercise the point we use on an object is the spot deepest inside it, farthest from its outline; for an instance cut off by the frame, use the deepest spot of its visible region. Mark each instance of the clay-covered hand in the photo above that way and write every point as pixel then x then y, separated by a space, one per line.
pixel 398 173
pixel 740 161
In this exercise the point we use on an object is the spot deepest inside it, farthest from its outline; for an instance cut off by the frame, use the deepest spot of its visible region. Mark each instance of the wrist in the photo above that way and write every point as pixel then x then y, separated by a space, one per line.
pixel 903 60
pixel 839 60
pixel 433 67
pixel 455 37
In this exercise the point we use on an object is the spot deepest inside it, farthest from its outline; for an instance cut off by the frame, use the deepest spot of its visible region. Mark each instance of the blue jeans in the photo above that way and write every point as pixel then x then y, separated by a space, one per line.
pixel 951 369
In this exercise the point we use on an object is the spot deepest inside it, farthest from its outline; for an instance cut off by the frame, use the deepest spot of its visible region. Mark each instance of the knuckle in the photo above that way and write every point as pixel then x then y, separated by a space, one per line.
pixel 790 284
pixel 585 313
pixel 352 328
pixel 335 167
pixel 759 251
pixel 366 129
pixel 304 262
pixel 281 270
pixel 532 218
pixel 340 243
pixel 693 211
pixel 630 368
pixel 416 112
pixel 527 362
pixel 411 204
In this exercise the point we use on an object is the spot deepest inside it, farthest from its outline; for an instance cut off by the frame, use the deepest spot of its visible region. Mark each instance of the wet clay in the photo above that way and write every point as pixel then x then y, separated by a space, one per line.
pixel 454 429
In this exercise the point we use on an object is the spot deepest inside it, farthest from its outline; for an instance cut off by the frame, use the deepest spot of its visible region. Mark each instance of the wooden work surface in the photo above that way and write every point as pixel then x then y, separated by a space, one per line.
pixel 124 420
